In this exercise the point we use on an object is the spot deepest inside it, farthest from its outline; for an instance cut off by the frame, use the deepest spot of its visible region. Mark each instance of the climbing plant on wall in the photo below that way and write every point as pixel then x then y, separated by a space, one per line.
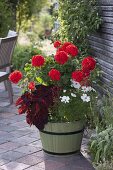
pixel 78 18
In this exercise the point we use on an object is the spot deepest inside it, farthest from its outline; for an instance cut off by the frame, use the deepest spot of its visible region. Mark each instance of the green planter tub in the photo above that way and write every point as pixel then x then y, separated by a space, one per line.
pixel 62 138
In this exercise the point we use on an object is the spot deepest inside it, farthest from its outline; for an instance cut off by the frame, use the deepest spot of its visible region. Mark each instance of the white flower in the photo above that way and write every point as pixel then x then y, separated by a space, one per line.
pixel 75 84
pixel 64 91
pixel 73 95
pixel 65 99
pixel 86 89
pixel 85 98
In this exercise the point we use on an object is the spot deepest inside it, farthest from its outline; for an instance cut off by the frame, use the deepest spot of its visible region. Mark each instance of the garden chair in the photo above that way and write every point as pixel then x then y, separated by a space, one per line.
pixel 6 50
pixel 11 33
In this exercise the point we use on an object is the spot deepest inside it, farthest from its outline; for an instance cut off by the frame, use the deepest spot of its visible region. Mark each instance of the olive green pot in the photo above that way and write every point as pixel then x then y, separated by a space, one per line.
pixel 62 138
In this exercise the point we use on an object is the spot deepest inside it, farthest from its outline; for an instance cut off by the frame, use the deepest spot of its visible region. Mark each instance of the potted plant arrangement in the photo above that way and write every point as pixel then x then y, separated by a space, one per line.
pixel 56 97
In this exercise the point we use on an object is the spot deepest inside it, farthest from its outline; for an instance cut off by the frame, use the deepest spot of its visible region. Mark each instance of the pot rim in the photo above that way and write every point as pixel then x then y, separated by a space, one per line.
pixel 67 122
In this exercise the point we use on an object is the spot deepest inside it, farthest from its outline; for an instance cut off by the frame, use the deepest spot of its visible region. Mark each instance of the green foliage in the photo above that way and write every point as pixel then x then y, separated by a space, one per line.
pixel 75 110
pixel 26 9
pixel 15 13
pixel 102 108
pixel 101 145
pixel 6 21
pixel 39 27
pixel 107 165
pixel 22 55
pixel 78 19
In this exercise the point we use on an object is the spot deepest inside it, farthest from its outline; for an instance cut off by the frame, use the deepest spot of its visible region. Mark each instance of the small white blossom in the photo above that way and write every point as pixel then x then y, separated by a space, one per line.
pixel 65 99
pixel 75 84
pixel 73 95
pixel 85 98
pixel 86 89
pixel 64 91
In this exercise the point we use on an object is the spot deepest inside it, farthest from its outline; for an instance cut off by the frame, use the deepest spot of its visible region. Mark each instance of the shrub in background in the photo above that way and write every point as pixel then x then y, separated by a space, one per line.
pixel 22 55
pixel 77 20
pixel 6 21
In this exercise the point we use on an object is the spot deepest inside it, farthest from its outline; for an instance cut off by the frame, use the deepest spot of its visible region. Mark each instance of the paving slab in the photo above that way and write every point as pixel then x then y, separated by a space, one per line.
pixel 12 155
pixel 14 166
pixel 28 149
pixel 30 160
pixel 3 161
pixel 21 148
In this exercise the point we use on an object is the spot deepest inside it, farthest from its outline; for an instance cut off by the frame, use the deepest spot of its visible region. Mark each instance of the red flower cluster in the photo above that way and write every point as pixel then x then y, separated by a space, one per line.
pixel 72 50
pixel 38 61
pixel 88 64
pixel 54 75
pixel 61 57
pixel 69 48
pixel 15 76
pixel 57 44
pixel 64 46
pixel 77 76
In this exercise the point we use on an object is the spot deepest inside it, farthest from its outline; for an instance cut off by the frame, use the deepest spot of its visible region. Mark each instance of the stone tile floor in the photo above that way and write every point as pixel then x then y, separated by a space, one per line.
pixel 20 145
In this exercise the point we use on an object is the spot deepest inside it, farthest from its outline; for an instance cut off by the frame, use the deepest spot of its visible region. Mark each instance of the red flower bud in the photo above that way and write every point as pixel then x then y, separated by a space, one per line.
pixel 31 85
pixel 57 44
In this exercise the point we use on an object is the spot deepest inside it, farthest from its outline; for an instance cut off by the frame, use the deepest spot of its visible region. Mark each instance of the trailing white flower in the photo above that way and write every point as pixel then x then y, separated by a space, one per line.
pixel 75 84
pixel 86 88
pixel 65 99
pixel 85 98
pixel 73 95
pixel 64 91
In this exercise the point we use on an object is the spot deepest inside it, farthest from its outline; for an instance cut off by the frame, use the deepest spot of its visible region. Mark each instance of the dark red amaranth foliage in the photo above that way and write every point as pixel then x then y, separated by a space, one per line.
pixel 36 104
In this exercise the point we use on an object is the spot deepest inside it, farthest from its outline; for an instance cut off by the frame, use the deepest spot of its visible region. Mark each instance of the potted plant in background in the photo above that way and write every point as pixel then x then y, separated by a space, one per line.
pixel 56 97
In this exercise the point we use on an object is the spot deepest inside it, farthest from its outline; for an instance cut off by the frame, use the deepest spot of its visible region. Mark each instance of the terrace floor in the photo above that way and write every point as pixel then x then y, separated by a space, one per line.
pixel 20 145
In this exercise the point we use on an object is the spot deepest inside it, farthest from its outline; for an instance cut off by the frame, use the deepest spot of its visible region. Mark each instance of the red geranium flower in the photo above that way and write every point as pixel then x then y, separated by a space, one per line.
pixel 72 50
pixel 77 75
pixel 15 76
pixel 65 45
pixel 31 86
pixel 57 44
pixel 61 57
pixel 88 64
pixel 38 61
pixel 54 74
